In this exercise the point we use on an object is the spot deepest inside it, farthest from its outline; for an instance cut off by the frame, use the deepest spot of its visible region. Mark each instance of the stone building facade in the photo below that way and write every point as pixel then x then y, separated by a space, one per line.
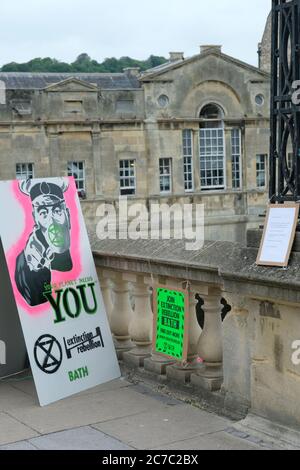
pixel 264 47
pixel 194 130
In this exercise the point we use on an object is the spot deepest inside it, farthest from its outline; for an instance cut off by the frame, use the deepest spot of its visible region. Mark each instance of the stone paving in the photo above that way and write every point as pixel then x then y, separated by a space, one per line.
pixel 114 416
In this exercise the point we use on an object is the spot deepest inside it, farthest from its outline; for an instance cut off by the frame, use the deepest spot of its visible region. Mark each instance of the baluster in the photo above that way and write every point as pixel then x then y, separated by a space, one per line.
pixel 140 327
pixel 182 372
pixel 210 347
pixel 105 284
pixel 121 314
pixel 238 328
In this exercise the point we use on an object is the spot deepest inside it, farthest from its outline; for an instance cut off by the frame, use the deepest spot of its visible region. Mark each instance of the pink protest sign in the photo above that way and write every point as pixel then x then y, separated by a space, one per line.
pixel 56 288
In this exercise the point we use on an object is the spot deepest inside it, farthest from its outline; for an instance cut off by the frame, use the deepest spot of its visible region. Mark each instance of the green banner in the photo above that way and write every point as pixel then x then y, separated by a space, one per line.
pixel 170 323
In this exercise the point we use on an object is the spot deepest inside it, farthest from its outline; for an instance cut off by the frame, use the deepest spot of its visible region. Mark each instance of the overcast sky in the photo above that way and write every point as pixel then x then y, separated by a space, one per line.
pixel 137 28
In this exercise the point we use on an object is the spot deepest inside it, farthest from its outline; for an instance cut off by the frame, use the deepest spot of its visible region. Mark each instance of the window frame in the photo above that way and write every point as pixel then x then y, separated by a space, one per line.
pixel 28 174
pixel 260 171
pixel 78 179
pixel 76 104
pixel 164 175
pixel 127 178
pixel 188 160
pixel 236 159
pixel 206 134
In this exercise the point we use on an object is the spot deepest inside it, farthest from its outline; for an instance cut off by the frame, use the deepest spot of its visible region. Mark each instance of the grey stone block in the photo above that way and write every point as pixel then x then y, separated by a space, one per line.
pixel 179 375
pixel 82 410
pixel 12 430
pixel 158 368
pixel 84 438
pixel 133 360
pixel 161 427
pixel 210 384
pixel 216 441
pixel 22 445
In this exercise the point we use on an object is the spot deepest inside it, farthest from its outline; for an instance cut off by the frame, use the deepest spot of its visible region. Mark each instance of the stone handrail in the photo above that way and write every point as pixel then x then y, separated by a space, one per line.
pixel 248 355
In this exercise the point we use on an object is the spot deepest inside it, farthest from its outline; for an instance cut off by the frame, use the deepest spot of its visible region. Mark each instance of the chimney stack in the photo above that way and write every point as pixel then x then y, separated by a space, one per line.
pixel 211 48
pixel 132 71
pixel 176 56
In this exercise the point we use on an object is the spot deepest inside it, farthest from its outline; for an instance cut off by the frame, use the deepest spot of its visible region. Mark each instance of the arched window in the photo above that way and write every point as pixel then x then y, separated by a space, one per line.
pixel 211 113
pixel 212 147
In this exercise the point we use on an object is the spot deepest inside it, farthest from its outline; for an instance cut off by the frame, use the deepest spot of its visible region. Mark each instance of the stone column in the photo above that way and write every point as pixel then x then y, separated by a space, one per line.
pixel 121 314
pixel 96 145
pixel 194 327
pixel 182 372
pixel 238 331
pixel 210 347
pixel 106 287
pixel 141 324
pixel 54 157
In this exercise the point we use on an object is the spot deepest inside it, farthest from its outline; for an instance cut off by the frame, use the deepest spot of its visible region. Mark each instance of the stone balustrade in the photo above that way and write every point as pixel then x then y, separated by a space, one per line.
pixel 247 358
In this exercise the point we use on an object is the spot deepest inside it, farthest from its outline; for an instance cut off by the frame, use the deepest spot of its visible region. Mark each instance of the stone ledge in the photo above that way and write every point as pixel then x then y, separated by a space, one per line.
pixel 270 432
pixel 217 263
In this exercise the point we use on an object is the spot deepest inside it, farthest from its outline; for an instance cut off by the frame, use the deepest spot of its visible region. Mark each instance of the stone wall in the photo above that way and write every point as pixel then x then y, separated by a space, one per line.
pixel 257 337
pixel 101 124
pixel 265 46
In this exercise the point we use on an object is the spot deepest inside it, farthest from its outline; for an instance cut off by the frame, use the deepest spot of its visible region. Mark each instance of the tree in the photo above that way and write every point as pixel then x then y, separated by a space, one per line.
pixel 83 64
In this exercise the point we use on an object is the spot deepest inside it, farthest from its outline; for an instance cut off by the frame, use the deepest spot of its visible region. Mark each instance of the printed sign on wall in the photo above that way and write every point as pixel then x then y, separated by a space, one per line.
pixel 279 235
pixel 56 287
pixel 171 318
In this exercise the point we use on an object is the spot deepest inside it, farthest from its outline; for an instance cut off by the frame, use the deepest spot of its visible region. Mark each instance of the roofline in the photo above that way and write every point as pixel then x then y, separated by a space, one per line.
pixel 68 74
pixel 173 66
pixel 87 80
pixel 84 84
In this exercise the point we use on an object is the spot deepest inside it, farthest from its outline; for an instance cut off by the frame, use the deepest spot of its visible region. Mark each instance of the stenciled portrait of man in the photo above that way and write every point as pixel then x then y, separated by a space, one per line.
pixel 48 246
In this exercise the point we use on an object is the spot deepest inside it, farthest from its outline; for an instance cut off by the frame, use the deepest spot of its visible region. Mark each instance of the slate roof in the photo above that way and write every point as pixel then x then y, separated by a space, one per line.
pixel 39 81
pixel 164 66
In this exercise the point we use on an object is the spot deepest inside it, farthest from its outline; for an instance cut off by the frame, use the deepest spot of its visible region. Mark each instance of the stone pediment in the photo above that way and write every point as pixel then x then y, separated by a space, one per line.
pixel 72 85
pixel 166 71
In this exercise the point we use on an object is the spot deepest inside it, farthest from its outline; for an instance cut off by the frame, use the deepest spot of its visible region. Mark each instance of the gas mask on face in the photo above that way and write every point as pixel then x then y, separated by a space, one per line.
pixel 52 218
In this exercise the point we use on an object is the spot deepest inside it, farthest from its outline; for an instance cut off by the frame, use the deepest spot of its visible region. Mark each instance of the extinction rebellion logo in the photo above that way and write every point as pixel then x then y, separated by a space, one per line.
pixel 48 353
pixel 68 302
pixel 84 343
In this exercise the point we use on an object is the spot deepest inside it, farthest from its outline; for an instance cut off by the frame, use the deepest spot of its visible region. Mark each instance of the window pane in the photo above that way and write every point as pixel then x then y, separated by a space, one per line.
pixel 236 158
pixel 24 171
pixel 187 139
pixel 212 156
pixel 261 170
pixel 165 168
pixel 77 170
pixel 127 177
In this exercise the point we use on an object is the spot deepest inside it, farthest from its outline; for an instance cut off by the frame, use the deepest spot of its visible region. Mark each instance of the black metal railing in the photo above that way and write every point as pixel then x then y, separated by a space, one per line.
pixel 285 114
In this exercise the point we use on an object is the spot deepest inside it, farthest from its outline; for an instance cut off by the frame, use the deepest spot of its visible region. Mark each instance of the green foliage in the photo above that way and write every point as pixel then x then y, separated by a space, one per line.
pixel 83 64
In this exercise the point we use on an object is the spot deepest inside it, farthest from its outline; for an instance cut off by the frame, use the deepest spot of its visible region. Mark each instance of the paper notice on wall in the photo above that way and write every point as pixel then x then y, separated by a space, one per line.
pixel 279 235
